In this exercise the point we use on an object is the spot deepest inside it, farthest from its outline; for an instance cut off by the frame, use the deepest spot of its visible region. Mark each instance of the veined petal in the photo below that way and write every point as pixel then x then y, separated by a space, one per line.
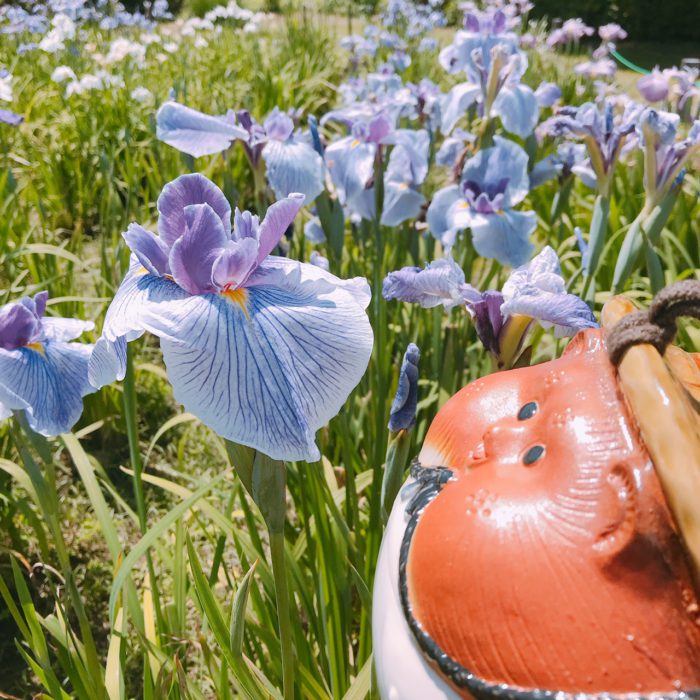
pixel 193 254
pixel 182 192
pixel 504 236
pixel 517 107
pixel 277 220
pixel 127 319
pixel 48 384
pixel 270 374
pixel 566 312
pixel 195 133
pixel 151 250
pixel 293 166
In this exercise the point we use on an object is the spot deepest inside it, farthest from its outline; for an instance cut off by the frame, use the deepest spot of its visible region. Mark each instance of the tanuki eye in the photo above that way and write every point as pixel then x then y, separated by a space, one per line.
pixel 527 410
pixel 533 454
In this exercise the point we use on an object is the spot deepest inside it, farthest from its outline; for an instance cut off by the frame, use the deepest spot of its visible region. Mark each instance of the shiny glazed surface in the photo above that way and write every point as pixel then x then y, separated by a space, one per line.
pixel 550 561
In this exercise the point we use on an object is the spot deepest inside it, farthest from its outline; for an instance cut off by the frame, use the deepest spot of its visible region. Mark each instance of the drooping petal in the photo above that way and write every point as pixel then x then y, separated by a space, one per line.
pixel 277 220
pixel 182 192
pixel 194 132
pixel 410 155
pixel 517 107
pixel 351 165
pixel 294 166
pixel 456 103
pixel 48 384
pixel 441 282
pixel 235 263
pixel 504 236
pixel 566 312
pixel 401 203
pixel 151 250
pixel 193 254
pixel 269 373
pixel 436 217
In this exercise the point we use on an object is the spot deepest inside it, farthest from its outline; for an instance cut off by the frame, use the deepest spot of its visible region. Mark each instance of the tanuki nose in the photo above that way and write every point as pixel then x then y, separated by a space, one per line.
pixel 505 441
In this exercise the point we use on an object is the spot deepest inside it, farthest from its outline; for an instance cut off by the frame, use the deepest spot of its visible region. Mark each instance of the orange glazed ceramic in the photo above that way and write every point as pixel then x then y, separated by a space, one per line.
pixel 539 555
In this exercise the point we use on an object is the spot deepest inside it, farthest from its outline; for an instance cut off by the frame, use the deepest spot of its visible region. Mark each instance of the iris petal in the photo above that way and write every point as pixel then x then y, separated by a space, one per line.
pixel 151 250
pixel 195 133
pixel 182 192
pixel 504 236
pixel 193 254
pixel 293 166
pixel 277 219
pixel 48 384
pixel 517 107
pixel 267 375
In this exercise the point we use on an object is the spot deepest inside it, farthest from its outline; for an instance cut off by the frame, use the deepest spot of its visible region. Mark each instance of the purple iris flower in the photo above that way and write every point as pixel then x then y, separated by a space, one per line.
pixel 601 131
pixel 440 283
pixel 292 164
pixel 403 408
pixel 547 94
pixel 492 183
pixel 538 290
pixel 654 87
pixel 41 372
pixel 264 350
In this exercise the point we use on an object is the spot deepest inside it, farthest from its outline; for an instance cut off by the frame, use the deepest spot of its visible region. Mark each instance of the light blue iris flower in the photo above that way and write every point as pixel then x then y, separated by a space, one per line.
pixel 494 65
pixel 264 350
pixel 351 163
pixel 491 184
pixel 41 372
pixel 293 165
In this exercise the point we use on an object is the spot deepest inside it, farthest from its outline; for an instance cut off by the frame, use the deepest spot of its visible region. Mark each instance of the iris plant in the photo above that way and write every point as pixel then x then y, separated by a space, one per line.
pixel 292 163
pixel 535 291
pixel 491 184
pixel 264 350
pixel 42 372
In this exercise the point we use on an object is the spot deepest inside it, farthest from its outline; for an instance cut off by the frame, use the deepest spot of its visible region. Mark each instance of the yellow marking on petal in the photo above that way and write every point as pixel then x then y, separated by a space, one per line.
pixel 463 205
pixel 141 271
pixel 38 347
pixel 238 296
pixel 403 186
pixel 355 143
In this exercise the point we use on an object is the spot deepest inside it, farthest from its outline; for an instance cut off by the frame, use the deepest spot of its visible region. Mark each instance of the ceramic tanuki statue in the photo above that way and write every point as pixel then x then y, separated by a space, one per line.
pixel 544 544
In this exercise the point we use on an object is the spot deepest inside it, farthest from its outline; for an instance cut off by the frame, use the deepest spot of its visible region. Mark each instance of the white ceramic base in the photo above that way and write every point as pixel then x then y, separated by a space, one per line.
pixel 402 671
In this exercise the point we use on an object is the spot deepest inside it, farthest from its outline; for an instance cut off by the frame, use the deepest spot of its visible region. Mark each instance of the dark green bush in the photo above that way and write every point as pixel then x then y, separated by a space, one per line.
pixel 643 19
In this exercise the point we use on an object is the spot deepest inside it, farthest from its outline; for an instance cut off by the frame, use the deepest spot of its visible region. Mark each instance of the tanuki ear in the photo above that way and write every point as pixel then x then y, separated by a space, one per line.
pixel 619 510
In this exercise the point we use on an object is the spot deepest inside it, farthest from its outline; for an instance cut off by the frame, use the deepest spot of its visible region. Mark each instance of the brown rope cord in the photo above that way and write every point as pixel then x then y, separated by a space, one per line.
pixel 657 325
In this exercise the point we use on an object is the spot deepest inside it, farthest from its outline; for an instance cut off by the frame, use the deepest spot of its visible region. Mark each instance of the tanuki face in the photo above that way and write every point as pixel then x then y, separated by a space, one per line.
pixel 550 561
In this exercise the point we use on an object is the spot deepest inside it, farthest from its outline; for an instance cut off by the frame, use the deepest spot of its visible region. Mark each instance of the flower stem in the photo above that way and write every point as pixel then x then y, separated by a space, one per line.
pixel 137 469
pixel 279 572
